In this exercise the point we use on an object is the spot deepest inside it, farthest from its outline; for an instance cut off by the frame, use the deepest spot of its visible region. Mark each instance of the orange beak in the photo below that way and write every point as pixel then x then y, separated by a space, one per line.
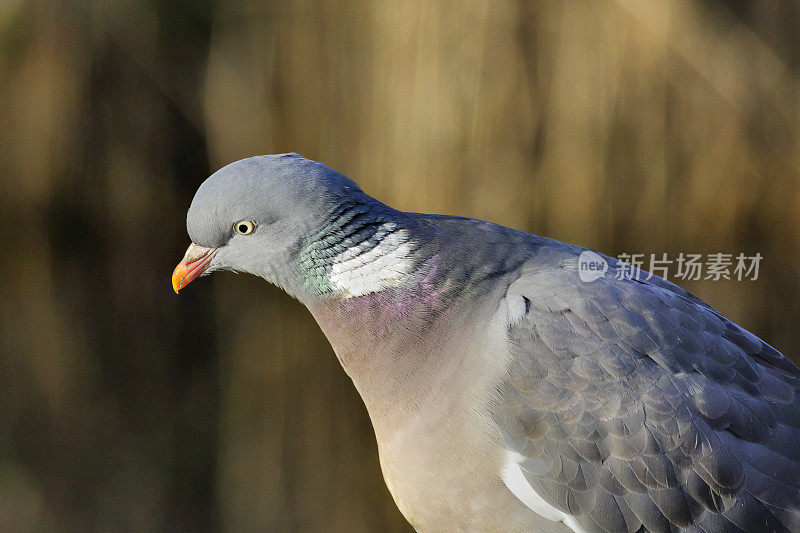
pixel 194 262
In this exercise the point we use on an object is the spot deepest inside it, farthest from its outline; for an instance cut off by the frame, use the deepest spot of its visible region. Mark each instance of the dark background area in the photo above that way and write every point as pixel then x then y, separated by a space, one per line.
pixel 628 127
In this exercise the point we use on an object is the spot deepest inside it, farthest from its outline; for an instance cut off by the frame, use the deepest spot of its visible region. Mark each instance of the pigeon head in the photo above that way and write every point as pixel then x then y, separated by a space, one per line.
pixel 255 214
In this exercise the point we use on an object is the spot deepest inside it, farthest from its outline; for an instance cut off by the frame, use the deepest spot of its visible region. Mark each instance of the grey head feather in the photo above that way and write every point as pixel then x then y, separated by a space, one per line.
pixel 264 189
pixel 305 214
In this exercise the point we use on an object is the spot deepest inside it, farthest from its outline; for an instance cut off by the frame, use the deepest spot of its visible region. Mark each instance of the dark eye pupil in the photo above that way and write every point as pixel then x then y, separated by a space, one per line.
pixel 243 228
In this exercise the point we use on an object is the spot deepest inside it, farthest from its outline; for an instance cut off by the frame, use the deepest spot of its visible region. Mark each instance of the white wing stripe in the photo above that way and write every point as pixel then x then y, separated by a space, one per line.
pixel 519 486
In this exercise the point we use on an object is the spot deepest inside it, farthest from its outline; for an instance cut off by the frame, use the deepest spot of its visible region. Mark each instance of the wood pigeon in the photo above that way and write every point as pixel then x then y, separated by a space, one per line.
pixel 507 392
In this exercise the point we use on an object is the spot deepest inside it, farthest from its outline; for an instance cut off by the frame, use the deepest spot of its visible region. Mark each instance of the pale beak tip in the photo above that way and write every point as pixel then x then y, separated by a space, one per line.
pixel 194 262
pixel 176 284
pixel 179 277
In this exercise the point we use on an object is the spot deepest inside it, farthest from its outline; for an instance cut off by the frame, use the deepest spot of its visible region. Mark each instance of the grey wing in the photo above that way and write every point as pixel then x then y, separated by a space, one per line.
pixel 632 407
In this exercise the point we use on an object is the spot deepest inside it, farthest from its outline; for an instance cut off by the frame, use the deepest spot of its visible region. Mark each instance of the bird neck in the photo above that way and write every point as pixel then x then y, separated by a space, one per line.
pixel 364 247
pixel 394 342
pixel 368 283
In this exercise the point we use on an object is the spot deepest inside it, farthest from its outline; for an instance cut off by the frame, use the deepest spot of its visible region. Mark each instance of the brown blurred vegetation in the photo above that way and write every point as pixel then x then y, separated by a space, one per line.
pixel 623 126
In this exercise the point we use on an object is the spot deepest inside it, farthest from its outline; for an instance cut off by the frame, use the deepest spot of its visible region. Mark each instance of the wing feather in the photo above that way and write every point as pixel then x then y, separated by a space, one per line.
pixel 631 404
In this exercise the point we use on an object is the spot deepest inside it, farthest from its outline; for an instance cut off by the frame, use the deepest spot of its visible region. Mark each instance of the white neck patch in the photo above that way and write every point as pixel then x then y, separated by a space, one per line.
pixel 361 270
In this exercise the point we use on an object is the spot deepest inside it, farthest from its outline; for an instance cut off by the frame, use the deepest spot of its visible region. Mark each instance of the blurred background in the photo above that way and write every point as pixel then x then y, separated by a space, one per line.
pixel 625 126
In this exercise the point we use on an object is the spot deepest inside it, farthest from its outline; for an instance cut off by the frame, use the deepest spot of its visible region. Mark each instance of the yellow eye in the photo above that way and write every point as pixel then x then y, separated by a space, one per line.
pixel 244 227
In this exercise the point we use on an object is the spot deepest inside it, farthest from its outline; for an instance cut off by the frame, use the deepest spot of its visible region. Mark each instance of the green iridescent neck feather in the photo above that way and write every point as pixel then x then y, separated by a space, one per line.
pixel 362 249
